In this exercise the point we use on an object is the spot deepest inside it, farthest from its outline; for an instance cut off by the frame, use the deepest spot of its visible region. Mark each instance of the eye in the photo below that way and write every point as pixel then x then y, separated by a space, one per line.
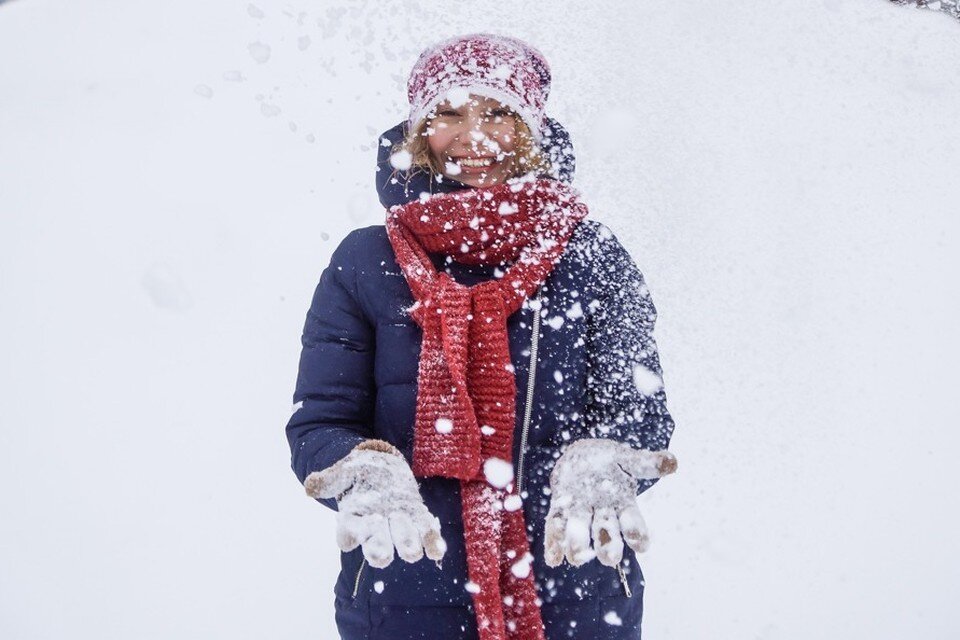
pixel 498 113
pixel 447 112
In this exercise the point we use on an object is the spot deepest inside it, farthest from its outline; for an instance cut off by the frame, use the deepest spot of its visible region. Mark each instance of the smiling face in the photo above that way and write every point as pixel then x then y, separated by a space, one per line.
pixel 475 141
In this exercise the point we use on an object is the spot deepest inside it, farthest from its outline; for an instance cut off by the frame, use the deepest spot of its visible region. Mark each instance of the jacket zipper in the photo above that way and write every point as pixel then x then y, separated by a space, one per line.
pixel 356 582
pixel 623 581
pixel 531 381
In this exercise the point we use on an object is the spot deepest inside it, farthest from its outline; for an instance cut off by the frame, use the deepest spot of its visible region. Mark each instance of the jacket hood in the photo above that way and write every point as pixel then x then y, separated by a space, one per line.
pixel 400 187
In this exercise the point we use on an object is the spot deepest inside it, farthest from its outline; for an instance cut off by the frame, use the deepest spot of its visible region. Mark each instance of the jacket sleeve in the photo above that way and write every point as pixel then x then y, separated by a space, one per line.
pixel 334 394
pixel 626 400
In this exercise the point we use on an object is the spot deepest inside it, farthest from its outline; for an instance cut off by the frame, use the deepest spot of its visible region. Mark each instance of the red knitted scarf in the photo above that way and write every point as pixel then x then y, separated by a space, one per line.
pixel 466 396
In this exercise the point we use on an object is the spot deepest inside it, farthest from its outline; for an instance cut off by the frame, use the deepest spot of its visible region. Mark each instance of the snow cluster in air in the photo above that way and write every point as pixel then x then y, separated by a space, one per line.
pixel 646 381
pixel 165 287
pixel 555 322
pixel 513 502
pixel 498 473
pixel 611 618
pixel 269 110
pixel 401 160
pixel 521 568
pixel 259 51
pixel 457 96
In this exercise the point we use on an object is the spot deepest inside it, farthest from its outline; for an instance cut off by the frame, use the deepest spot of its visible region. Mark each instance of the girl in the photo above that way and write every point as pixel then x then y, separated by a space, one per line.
pixel 479 391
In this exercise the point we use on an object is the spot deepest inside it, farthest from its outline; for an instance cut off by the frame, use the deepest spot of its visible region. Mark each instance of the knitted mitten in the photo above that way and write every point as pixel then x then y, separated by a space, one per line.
pixel 379 505
pixel 593 490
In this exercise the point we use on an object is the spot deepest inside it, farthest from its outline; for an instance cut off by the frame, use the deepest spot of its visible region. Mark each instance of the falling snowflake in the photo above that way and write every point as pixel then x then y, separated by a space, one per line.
pixel 521 568
pixel 611 618
pixel 259 51
pixel 646 381
pixel 458 96
pixel 575 311
pixel 401 160
pixel 498 472
pixel 269 110
pixel 513 502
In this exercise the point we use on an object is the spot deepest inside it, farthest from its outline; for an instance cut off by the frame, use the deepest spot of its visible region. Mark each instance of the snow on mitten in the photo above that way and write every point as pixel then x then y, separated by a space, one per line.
pixel 593 489
pixel 379 504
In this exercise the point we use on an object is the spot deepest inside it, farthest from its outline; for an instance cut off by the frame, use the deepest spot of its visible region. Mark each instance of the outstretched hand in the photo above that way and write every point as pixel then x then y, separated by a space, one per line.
pixel 593 489
pixel 379 505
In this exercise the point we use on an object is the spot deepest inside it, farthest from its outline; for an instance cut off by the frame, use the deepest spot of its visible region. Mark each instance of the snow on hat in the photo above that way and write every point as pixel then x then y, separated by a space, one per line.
pixel 498 67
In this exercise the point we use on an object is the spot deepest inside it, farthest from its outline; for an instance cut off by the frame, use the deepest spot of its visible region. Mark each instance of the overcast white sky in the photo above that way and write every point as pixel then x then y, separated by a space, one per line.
pixel 784 173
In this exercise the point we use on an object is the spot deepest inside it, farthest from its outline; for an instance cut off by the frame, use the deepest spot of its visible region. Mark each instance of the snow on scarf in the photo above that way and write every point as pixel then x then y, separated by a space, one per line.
pixel 466 396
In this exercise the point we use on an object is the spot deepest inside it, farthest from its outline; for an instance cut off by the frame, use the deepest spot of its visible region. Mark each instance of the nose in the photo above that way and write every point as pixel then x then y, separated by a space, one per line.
pixel 472 130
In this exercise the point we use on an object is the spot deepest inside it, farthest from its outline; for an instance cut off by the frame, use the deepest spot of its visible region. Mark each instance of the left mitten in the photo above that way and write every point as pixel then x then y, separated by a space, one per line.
pixel 379 505
pixel 593 491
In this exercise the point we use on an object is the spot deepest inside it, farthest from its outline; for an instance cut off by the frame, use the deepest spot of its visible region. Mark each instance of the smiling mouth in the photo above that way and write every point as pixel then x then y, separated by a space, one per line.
pixel 475 163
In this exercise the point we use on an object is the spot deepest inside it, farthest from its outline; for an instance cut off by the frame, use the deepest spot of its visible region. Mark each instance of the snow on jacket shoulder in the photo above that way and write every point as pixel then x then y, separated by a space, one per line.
pixel 627 400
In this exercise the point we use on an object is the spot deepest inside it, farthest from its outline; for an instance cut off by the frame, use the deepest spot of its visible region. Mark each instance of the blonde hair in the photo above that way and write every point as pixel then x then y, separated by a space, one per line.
pixel 528 154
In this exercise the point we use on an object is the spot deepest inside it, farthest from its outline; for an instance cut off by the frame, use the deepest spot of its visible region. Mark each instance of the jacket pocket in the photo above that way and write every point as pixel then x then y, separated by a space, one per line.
pixel 393 622
pixel 353 622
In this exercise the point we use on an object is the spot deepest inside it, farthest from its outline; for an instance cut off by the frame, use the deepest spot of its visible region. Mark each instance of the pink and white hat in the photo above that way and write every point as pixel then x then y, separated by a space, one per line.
pixel 498 67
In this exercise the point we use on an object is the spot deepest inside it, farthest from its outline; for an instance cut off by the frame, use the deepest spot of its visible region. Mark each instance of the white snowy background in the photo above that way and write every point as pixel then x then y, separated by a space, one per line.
pixel 786 175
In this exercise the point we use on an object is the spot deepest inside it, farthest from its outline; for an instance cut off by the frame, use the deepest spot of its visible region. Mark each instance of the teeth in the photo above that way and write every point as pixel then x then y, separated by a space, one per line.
pixel 470 162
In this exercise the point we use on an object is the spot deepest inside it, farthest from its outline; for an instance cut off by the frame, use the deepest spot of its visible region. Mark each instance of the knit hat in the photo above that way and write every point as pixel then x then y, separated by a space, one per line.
pixel 499 67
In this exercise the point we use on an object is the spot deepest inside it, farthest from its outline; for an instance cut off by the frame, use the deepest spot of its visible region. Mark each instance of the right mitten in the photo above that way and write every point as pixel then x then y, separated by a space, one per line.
pixel 379 505
pixel 593 491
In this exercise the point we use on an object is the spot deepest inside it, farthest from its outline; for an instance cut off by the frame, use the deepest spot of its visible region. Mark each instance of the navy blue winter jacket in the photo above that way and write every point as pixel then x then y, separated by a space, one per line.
pixel 358 380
